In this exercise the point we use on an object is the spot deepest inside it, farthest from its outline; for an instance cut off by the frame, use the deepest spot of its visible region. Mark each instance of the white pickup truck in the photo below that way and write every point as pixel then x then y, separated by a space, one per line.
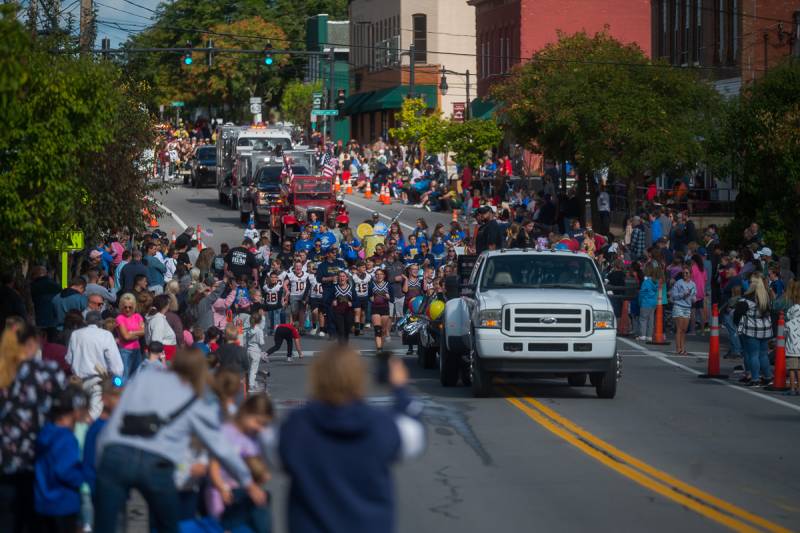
pixel 532 313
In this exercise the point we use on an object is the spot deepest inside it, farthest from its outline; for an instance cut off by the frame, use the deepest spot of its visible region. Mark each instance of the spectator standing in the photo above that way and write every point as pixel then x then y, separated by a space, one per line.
pixel 158 328
pixel 336 441
pixel 130 328
pixel 93 354
pixel 69 299
pixel 26 386
pixel 793 337
pixel 131 456
pixel 638 239
pixel 683 294
pixel 604 210
pixel 43 290
pixel 752 314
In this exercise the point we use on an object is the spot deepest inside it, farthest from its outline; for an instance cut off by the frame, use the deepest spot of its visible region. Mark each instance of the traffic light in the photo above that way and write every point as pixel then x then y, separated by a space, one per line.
pixel 340 99
pixel 268 60
pixel 187 57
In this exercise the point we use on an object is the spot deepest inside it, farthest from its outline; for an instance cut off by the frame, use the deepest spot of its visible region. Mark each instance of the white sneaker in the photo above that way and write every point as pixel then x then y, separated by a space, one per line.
pixel 387 338
pixel 641 339
pixel 321 334
pixel 367 326
pixel 418 206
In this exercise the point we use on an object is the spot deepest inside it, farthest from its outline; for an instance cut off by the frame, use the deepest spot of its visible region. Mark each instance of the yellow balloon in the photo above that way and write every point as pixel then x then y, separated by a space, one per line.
pixel 436 309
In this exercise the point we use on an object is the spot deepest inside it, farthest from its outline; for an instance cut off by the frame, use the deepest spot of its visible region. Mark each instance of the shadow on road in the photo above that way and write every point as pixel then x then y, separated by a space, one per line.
pixel 208 202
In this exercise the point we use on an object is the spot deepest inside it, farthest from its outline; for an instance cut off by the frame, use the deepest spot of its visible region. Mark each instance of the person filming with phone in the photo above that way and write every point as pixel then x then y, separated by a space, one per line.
pixel 337 449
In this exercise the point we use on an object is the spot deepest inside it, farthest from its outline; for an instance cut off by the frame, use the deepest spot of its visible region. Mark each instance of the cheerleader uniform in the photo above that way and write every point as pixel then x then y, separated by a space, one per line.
pixel 342 312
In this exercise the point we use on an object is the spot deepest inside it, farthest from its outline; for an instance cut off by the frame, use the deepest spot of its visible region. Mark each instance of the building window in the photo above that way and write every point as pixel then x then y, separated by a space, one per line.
pixel 420 27
pixel 664 26
pixel 722 32
pixel 687 24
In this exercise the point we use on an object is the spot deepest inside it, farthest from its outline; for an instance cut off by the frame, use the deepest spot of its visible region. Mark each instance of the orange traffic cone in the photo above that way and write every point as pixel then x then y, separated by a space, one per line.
pixel 624 324
pixel 779 378
pixel 153 221
pixel 172 237
pixel 713 348
pixel 338 185
pixel 455 216
pixel 198 233
pixel 349 189
pixel 658 333
pixel 387 196
pixel 368 191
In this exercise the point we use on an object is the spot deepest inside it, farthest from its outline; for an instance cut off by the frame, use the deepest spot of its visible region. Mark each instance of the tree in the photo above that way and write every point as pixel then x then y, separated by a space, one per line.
pixel 760 146
pixel 472 139
pixel 297 102
pixel 603 105
pixel 417 124
pixel 73 131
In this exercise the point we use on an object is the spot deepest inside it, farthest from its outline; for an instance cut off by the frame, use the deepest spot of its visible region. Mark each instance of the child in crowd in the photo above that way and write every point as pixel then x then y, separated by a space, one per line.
pixel 58 470
pixel 226 501
pixel 156 357
pixel 255 351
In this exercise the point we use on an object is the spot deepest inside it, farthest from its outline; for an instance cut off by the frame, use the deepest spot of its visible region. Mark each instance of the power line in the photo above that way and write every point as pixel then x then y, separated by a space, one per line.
pixel 122 10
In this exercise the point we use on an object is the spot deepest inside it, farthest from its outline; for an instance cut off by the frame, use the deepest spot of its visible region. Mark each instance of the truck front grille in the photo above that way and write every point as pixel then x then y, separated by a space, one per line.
pixel 550 320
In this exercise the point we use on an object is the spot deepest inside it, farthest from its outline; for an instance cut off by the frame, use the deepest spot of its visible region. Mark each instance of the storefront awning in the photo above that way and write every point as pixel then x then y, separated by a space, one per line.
pixel 484 109
pixel 388 99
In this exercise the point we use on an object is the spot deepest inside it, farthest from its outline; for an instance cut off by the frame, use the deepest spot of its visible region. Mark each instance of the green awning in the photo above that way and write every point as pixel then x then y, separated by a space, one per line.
pixel 484 109
pixel 388 99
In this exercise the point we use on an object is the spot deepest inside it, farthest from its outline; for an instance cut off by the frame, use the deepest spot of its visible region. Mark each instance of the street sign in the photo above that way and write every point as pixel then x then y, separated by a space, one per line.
pixel 325 112
pixel 255 100
pixel 458 111
pixel 255 108
pixel 316 98
pixel 74 241
pixel 177 104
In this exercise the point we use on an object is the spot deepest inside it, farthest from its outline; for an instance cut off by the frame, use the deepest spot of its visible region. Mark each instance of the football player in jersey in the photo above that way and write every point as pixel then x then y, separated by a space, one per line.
pixel 361 280
pixel 296 284
pixel 315 301
pixel 274 300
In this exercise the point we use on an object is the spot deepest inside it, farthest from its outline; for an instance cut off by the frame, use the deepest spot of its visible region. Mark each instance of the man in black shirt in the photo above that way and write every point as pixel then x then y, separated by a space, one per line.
pixel 327 272
pixel 240 261
pixel 286 255
pixel 490 236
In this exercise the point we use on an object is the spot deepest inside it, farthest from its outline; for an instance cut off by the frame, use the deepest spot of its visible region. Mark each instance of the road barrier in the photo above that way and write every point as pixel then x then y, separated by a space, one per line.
pixel 713 371
pixel 658 333
pixel 779 379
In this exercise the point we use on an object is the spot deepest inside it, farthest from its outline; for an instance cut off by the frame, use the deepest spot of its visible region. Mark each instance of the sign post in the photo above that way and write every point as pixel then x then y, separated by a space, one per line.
pixel 255 109
pixel 316 103
pixel 74 243
pixel 325 112
pixel 459 108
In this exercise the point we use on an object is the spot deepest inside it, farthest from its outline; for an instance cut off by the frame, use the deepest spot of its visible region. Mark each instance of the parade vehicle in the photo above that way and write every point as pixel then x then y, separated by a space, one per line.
pixel 531 313
pixel 233 142
pixel 307 194
pixel 203 167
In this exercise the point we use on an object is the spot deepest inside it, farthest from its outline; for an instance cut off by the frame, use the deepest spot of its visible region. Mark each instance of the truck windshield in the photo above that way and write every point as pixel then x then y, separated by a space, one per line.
pixel 207 154
pixel 310 189
pixel 265 144
pixel 539 272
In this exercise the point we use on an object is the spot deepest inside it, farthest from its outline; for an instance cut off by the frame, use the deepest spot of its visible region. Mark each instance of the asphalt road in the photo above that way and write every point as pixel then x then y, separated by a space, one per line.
pixel 672 452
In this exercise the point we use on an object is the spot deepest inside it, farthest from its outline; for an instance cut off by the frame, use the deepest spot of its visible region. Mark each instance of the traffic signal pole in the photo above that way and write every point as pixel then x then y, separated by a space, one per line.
pixel 331 100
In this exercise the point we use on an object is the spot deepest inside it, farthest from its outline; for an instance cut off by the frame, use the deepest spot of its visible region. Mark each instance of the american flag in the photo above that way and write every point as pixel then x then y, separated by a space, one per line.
pixel 328 165
pixel 286 172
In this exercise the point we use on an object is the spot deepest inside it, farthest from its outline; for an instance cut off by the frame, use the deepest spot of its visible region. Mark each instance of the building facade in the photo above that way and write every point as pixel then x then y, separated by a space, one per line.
pixel 329 36
pixel 734 41
pixel 509 32
pixel 382 33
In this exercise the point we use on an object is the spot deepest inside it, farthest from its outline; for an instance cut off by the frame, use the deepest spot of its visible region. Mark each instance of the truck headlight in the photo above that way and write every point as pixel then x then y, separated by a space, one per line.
pixel 604 320
pixel 489 318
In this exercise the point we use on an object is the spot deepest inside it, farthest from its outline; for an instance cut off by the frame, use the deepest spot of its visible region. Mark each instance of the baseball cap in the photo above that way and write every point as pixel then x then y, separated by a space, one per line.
pixel 94 254
pixel 764 252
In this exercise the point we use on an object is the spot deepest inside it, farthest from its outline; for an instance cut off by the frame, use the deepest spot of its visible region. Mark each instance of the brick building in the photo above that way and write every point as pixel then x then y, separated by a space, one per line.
pixel 509 31
pixel 381 33
pixel 734 41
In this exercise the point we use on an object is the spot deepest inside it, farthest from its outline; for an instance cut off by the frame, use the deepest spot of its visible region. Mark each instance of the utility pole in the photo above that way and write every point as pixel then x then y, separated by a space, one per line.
pixel 412 58
pixel 467 112
pixel 86 26
pixel 331 90
pixel 33 13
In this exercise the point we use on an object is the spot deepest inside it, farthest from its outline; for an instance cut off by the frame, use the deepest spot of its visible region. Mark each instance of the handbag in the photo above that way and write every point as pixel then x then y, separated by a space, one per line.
pixel 147 425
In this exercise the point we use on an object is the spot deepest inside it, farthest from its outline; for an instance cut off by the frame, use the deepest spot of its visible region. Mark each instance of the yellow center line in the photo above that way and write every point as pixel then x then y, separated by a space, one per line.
pixel 664 484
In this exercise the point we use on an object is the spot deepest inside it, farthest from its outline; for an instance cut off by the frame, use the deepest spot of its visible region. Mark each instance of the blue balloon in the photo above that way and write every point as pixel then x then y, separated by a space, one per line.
pixel 380 228
pixel 416 304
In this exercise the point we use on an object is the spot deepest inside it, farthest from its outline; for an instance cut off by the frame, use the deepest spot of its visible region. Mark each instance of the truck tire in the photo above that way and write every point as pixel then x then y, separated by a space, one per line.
pixel 481 380
pixel 606 387
pixel 576 380
pixel 449 366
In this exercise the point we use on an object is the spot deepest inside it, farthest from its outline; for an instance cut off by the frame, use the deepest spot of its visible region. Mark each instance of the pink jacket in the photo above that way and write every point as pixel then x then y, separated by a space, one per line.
pixel 699 278
pixel 220 307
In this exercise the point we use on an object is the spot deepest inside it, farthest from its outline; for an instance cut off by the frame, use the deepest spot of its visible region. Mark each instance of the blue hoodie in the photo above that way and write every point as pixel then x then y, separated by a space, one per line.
pixel 339 460
pixel 67 300
pixel 58 471
pixel 647 294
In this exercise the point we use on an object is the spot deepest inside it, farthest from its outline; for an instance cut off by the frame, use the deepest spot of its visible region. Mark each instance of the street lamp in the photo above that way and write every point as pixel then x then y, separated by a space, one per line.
pixel 443 83
pixel 443 86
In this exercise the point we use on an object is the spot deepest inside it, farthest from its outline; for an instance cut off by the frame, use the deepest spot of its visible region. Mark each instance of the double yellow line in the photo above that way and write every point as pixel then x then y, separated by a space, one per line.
pixel 701 502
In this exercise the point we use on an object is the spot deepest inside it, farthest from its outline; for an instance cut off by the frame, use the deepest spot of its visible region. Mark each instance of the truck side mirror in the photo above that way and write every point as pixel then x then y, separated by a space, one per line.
pixel 467 289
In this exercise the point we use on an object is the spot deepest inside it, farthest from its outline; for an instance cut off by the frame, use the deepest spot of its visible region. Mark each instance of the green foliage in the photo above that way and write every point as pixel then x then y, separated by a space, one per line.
pixel 72 130
pixel 416 123
pixel 760 145
pixel 472 139
pixel 297 102
pixel 602 104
